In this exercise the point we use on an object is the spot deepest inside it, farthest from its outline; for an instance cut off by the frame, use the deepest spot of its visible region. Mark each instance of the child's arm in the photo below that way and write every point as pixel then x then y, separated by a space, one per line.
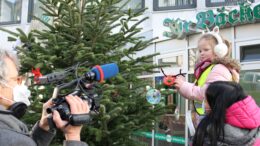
pixel 191 91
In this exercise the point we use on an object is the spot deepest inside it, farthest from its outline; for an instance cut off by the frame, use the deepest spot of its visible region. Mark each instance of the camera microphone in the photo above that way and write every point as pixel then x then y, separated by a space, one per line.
pixel 100 73
pixel 97 73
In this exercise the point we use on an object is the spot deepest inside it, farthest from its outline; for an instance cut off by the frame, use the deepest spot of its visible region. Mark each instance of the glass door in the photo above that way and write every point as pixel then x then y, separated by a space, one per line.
pixel 170 131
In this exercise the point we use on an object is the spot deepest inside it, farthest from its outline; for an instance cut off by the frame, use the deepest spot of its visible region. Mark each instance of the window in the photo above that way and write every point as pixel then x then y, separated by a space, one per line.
pixel 172 61
pixel 148 61
pixel 193 55
pixel 10 11
pixel 215 3
pixel 132 4
pixel 35 10
pixel 160 5
pixel 250 53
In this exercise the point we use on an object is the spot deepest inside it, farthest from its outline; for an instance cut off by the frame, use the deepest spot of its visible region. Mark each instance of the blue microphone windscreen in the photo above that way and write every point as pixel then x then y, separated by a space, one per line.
pixel 109 70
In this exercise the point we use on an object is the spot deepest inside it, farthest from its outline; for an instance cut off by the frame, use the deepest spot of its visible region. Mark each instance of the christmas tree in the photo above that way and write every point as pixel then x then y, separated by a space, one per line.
pixel 99 32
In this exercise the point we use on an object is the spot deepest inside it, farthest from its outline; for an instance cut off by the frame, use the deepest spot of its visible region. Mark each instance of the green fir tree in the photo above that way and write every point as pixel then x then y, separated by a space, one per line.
pixel 100 32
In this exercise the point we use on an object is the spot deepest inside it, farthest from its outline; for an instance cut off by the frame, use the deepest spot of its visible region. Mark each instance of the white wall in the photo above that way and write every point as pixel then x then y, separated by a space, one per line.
pixel 247 32
pixel 169 46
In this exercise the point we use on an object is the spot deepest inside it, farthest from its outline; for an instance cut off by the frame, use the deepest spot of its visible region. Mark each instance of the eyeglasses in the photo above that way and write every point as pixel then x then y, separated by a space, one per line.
pixel 18 79
pixel 12 81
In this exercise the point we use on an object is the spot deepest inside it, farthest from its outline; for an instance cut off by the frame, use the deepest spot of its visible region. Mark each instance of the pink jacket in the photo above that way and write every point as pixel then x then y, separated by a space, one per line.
pixel 218 73
pixel 257 142
pixel 244 114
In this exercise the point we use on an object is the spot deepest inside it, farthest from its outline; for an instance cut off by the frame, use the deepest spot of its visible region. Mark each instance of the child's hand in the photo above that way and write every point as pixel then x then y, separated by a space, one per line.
pixel 179 81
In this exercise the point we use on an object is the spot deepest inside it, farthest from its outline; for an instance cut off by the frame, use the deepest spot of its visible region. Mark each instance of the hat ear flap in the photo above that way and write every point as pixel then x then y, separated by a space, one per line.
pixel 221 49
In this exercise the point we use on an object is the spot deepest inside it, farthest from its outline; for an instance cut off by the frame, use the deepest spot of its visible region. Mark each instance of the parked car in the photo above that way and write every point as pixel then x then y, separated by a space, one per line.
pixel 250 81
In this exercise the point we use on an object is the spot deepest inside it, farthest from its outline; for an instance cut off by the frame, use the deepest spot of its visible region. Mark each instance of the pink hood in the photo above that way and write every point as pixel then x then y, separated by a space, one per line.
pixel 244 114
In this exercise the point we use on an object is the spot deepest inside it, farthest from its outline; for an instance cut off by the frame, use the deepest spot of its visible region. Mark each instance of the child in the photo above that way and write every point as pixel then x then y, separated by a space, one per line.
pixel 214 64
pixel 233 118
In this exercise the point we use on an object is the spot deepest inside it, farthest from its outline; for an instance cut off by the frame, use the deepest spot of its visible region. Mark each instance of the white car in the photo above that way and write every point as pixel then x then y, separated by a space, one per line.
pixel 251 80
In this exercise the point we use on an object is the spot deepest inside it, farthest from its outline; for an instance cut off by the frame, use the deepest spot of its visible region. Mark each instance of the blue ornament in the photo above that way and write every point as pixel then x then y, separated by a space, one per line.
pixel 153 96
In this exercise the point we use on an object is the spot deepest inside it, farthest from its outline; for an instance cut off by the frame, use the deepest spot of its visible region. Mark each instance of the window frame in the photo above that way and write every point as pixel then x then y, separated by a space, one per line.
pixel 11 22
pixel 30 10
pixel 157 8
pixel 248 65
pixel 218 4
pixel 242 53
pixel 142 6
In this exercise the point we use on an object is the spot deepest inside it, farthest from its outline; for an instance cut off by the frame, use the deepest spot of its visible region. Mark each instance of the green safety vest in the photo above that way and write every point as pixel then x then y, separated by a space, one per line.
pixel 200 82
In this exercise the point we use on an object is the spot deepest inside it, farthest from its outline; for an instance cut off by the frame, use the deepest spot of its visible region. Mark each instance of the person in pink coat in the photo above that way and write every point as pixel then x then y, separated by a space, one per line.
pixel 232 117
pixel 214 58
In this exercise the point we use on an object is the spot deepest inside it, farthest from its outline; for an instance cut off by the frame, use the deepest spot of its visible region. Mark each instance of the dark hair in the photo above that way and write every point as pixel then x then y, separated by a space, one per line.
pixel 220 96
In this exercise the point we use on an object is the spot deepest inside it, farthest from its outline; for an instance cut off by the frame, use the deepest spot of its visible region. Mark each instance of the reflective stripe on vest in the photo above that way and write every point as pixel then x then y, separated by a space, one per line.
pixel 200 82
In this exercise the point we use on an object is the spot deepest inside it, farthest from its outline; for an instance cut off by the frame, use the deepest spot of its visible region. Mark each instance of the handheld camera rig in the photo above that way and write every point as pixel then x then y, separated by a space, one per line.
pixel 84 87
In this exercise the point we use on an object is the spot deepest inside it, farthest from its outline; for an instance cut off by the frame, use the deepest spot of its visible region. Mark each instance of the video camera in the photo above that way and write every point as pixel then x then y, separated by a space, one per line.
pixel 84 87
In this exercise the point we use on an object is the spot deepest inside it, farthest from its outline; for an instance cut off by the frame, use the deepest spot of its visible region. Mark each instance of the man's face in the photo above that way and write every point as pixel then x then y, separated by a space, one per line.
pixel 12 79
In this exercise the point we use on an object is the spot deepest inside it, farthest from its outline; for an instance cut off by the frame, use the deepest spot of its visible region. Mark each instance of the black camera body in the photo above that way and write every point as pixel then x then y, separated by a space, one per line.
pixel 61 105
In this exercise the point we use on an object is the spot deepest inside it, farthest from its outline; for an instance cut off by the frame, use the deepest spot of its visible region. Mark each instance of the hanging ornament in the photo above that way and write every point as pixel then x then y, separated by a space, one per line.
pixel 37 73
pixel 153 96
pixel 169 80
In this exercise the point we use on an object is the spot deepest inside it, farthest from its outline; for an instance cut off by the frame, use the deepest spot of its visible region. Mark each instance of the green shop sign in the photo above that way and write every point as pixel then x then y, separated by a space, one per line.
pixel 180 28
pixel 163 137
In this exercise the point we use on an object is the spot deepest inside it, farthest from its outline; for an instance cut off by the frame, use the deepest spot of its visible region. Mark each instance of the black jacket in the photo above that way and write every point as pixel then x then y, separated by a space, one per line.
pixel 14 132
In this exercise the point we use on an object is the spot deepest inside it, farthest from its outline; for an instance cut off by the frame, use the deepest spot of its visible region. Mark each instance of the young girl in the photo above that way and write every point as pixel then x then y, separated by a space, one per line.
pixel 232 119
pixel 214 64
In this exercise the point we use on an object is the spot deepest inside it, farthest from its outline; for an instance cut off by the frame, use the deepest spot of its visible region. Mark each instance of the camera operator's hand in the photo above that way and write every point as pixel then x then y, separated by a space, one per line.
pixel 44 119
pixel 77 106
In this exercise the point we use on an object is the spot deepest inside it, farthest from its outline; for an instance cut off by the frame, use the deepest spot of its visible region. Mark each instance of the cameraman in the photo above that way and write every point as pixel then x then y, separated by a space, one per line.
pixel 13 103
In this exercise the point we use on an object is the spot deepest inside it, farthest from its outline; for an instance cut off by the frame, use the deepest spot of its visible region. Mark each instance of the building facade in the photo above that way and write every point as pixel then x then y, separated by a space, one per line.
pixel 18 14
pixel 178 25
